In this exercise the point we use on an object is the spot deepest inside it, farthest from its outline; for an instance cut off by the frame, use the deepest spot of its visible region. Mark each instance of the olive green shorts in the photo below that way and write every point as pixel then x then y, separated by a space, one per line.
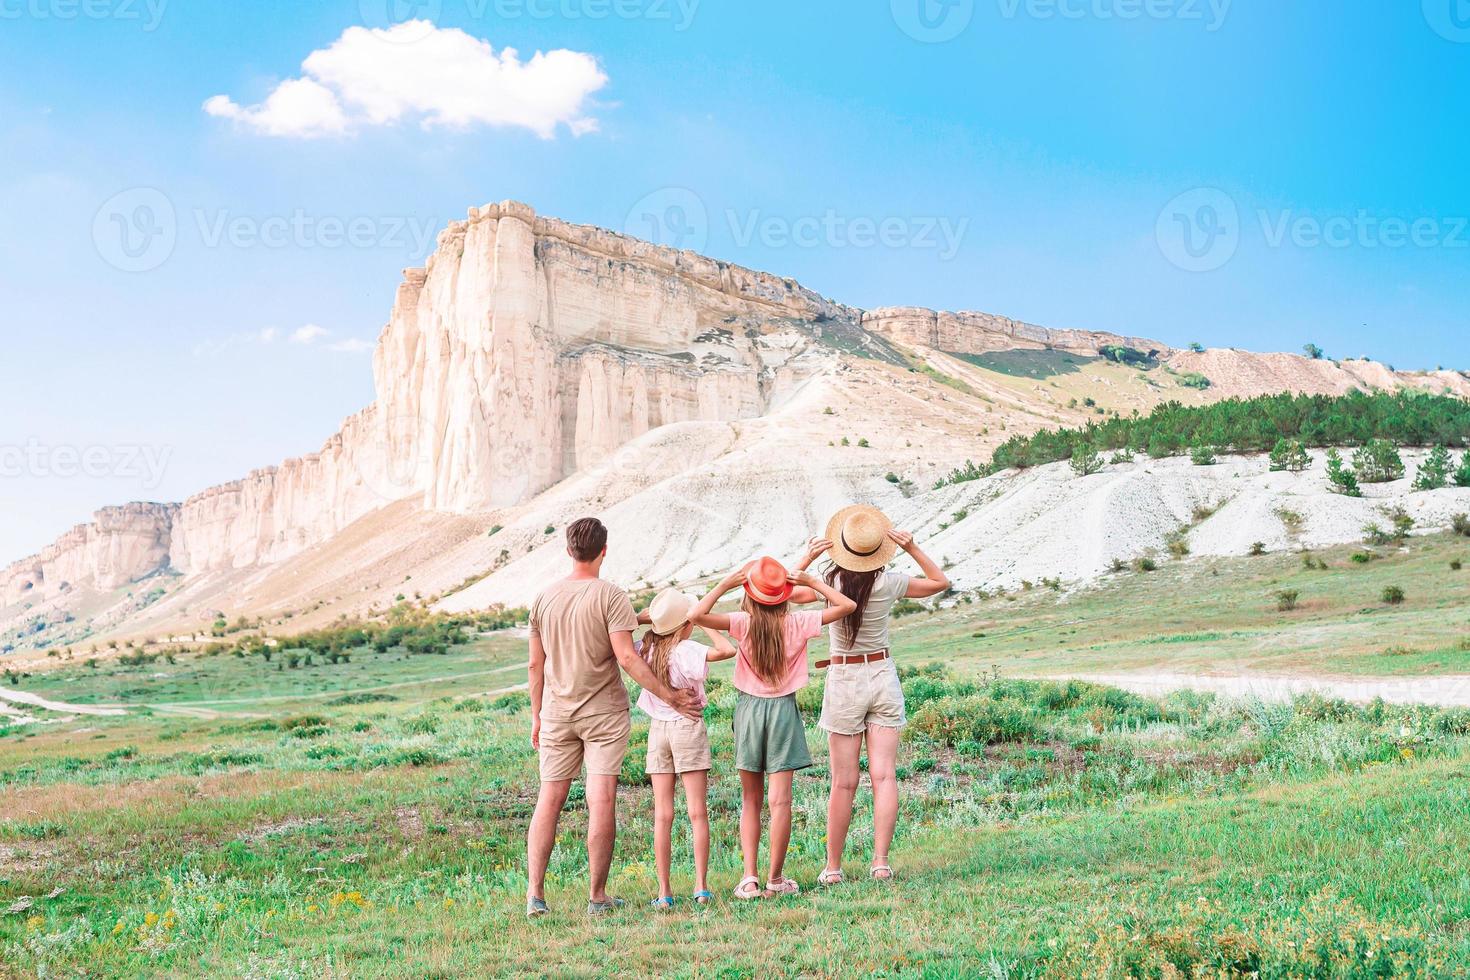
pixel 769 735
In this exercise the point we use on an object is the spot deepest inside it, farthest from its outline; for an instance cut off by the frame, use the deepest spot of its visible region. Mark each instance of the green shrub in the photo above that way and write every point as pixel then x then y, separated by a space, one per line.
pixel 1290 455
pixel 1434 472
pixel 975 719
pixel 1202 455
pixel 1460 524
pixel 1085 460
pixel 1378 461
pixel 1286 599
pixel 1258 548
pixel 1340 479
pixel 370 697
pixel 1392 594
pixel 1144 564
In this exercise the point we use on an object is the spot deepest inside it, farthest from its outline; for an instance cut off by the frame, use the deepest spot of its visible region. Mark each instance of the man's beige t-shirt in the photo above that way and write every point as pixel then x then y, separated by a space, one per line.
pixel 573 619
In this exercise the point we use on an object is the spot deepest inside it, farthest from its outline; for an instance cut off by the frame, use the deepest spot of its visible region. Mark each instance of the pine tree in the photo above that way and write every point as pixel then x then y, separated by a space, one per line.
pixel 1434 472
pixel 1378 461
pixel 1291 456
pixel 1462 472
pixel 1085 460
pixel 1340 479
pixel 1202 455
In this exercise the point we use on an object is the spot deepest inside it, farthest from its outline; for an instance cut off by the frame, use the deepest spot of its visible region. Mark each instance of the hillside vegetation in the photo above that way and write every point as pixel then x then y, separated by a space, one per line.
pixel 1407 418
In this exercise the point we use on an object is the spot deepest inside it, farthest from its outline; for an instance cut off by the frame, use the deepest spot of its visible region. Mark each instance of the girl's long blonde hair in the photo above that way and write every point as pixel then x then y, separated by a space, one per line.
pixel 658 650
pixel 766 640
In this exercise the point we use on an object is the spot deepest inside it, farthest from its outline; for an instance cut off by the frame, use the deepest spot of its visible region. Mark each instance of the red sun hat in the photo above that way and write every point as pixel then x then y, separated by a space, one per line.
pixel 766 582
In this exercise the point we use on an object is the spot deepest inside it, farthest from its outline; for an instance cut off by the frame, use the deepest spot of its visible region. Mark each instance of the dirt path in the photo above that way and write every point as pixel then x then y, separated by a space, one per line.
pixel 36 701
pixel 1447 690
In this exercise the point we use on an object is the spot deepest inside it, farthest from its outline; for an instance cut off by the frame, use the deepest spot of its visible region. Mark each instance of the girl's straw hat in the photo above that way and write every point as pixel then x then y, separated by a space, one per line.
pixel 860 542
pixel 766 582
pixel 669 610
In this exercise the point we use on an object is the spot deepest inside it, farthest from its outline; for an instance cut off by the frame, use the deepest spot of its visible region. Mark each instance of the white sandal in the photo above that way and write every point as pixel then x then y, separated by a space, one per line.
pixel 744 895
pixel 783 887
pixel 887 872
pixel 830 877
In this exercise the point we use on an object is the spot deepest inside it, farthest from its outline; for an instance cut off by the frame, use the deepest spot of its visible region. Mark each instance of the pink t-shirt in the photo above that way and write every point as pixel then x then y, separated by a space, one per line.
pixel 801 627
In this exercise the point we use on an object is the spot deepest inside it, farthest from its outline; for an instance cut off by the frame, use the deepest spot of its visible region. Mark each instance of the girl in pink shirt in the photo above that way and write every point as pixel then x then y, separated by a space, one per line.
pixel 770 667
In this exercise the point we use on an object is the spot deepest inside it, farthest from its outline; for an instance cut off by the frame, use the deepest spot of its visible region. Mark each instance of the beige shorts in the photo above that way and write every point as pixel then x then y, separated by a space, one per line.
pixel 677 746
pixel 859 695
pixel 599 740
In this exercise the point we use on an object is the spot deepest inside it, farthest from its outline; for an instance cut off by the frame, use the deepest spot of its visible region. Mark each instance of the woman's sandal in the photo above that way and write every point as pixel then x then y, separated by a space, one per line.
pixel 703 897
pixel 830 877
pixel 755 884
pixel 662 904
pixel 783 887
pixel 881 872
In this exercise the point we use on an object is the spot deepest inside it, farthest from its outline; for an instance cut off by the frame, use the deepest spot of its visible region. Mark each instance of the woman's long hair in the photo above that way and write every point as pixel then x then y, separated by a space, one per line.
pixel 766 639
pixel 857 586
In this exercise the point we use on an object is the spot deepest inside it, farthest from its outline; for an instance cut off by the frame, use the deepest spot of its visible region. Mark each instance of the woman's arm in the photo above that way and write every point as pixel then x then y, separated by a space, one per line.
pixel 815 548
pixel 839 606
pixel 723 648
pixel 934 580
pixel 701 616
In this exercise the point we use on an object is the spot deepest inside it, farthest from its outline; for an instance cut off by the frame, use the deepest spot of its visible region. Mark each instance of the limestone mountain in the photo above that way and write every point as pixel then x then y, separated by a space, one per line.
pixel 536 370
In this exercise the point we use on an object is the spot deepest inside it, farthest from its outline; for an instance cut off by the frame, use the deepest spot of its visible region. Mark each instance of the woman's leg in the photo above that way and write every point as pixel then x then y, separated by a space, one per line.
pixel 780 820
pixel 883 770
pixel 696 798
pixel 752 799
pixel 843 753
pixel 663 829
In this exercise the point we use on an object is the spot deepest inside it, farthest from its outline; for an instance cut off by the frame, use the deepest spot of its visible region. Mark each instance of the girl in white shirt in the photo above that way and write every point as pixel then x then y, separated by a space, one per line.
pixel 678 749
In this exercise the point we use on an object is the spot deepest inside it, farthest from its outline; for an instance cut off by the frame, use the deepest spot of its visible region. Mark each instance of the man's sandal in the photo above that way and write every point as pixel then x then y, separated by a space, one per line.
pixel 830 876
pixel 703 896
pixel 783 887
pixel 881 872
pixel 753 891
pixel 536 908
pixel 603 908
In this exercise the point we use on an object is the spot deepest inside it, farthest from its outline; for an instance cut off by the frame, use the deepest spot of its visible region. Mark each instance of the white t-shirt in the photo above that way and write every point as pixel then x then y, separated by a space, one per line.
pixel 688 668
pixel 872 632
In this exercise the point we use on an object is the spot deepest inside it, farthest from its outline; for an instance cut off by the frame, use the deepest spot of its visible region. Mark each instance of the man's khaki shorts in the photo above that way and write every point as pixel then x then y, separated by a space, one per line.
pixel 859 695
pixel 677 746
pixel 599 740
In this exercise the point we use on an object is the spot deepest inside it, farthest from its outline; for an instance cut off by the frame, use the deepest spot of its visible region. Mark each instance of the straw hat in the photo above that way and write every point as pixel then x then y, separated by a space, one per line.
pixel 860 542
pixel 766 582
pixel 669 610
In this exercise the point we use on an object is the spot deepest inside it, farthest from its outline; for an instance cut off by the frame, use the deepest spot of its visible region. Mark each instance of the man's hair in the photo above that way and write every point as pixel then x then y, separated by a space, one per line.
pixel 586 537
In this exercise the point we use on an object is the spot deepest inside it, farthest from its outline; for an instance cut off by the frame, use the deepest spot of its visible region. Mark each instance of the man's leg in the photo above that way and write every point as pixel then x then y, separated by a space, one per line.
pixel 541 837
pixel 602 831
pixel 844 755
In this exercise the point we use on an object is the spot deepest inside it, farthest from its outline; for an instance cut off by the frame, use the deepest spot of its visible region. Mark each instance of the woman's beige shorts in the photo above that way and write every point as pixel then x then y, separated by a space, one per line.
pixel 677 746
pixel 859 695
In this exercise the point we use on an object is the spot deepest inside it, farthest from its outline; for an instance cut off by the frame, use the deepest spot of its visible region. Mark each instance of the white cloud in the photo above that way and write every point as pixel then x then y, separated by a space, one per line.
pixel 352 345
pixel 308 334
pixel 269 335
pixel 380 77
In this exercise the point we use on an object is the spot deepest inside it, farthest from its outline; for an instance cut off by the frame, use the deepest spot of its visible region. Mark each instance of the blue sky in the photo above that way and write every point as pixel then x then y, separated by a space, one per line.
pixel 1250 174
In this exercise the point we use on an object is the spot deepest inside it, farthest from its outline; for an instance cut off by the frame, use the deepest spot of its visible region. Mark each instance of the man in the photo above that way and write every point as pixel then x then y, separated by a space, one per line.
pixel 581 632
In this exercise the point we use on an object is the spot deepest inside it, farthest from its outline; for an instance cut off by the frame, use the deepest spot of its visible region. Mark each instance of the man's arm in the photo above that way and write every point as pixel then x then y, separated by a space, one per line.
pixel 683 701
pixel 536 676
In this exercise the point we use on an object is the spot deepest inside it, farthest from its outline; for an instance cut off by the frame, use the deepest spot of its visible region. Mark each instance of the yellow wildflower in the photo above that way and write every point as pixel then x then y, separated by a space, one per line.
pixel 151 919
pixel 449 903
pixel 35 922
pixel 119 927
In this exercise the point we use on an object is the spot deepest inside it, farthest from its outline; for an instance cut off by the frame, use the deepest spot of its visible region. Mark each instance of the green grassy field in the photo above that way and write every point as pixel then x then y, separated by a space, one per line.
pixel 367 818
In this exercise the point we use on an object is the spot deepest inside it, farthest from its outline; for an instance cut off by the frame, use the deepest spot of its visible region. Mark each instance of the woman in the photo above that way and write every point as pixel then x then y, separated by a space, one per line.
pixel 862 698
